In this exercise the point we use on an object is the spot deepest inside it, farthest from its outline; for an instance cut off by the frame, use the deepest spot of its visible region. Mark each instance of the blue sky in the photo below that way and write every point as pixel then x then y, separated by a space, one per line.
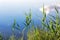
pixel 36 3
pixel 26 3
pixel 30 2
pixel 14 6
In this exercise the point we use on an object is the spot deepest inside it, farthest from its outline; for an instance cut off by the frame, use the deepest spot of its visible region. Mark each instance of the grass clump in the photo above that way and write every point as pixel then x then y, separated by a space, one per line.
pixel 1 37
pixel 12 37
pixel 52 31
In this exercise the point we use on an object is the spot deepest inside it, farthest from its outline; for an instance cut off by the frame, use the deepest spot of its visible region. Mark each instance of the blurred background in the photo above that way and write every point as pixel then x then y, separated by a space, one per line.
pixel 15 9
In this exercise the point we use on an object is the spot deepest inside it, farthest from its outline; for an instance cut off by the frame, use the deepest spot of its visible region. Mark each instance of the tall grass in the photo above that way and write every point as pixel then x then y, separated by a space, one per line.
pixel 50 31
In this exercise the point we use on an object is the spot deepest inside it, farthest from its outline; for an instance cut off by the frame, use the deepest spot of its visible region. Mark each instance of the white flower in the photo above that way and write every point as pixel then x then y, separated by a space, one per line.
pixel 50 8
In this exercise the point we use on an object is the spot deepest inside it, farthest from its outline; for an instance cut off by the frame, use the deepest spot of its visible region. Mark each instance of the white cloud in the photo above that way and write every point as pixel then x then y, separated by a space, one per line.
pixel 35 3
pixel 43 1
pixel 50 8
pixel 19 0
pixel 30 1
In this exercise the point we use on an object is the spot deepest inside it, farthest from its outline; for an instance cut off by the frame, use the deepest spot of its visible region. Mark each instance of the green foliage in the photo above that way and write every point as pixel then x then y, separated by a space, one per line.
pixel 53 32
pixel 1 37
pixel 12 37
pixel 28 19
pixel 44 14
pixel 15 26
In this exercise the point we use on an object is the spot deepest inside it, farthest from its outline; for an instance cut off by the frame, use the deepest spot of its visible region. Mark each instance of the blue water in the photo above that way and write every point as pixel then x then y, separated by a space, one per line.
pixel 9 12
